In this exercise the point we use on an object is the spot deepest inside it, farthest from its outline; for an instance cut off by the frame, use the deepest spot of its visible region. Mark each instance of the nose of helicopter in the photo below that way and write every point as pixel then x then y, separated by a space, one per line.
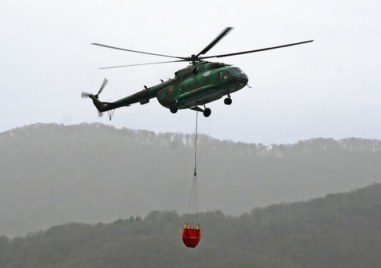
pixel 241 79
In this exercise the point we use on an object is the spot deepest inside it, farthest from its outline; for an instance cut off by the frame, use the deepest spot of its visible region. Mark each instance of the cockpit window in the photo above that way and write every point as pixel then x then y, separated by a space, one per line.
pixel 235 71
pixel 225 75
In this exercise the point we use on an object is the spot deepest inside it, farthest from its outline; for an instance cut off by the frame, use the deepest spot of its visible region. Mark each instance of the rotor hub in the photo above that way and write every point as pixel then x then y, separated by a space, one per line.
pixel 193 58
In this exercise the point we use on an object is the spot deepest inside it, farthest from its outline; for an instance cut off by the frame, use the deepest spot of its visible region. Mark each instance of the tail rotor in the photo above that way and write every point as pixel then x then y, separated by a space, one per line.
pixel 89 95
pixel 96 96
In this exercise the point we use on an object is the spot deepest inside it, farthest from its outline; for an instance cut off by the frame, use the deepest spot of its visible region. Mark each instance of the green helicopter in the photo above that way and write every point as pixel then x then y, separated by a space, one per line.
pixel 192 88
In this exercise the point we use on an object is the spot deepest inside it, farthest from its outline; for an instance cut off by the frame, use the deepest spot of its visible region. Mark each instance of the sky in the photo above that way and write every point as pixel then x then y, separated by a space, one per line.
pixel 329 88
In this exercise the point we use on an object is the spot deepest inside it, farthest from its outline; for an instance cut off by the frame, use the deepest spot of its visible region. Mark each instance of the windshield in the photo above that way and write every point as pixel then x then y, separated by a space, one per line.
pixel 235 71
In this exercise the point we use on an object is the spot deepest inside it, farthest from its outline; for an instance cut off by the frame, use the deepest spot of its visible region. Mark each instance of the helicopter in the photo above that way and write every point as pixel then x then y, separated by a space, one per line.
pixel 192 87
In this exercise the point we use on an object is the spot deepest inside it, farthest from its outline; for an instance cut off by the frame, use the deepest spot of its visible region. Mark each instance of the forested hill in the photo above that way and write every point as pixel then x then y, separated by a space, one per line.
pixel 52 174
pixel 340 230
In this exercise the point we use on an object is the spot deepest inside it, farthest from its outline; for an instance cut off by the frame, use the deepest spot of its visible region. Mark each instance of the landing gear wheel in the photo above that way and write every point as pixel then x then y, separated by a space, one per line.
pixel 228 101
pixel 207 112
pixel 173 109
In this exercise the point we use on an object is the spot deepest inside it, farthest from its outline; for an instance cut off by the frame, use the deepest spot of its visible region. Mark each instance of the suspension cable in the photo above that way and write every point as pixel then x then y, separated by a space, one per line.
pixel 195 147
pixel 193 199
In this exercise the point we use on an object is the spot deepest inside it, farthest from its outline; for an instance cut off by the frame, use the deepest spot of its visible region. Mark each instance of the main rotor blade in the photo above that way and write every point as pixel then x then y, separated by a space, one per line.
pixel 136 51
pixel 215 41
pixel 255 50
pixel 105 81
pixel 140 64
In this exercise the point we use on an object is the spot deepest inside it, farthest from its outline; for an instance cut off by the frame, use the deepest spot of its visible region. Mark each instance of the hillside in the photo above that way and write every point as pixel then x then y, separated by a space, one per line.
pixel 52 174
pixel 340 230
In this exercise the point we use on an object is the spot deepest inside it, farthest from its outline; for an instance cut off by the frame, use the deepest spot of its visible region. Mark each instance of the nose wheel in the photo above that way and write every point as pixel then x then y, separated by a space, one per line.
pixel 228 100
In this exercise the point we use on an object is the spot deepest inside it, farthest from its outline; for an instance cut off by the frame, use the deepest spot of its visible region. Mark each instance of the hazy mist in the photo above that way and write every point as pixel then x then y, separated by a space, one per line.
pixel 52 174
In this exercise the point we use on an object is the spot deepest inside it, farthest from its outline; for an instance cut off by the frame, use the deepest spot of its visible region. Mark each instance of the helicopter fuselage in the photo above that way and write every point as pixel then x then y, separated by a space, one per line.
pixel 200 84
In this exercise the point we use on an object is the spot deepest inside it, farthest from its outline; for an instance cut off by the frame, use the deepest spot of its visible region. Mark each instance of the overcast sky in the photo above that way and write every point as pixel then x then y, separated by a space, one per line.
pixel 329 88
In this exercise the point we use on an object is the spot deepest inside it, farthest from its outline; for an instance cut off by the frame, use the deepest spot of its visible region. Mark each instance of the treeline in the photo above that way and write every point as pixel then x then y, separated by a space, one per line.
pixel 340 230
pixel 104 133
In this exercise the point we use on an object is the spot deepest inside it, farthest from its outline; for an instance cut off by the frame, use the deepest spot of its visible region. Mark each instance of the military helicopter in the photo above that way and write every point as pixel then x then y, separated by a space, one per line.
pixel 192 87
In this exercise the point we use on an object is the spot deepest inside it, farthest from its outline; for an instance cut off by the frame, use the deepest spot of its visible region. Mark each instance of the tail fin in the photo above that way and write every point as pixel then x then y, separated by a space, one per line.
pixel 101 106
